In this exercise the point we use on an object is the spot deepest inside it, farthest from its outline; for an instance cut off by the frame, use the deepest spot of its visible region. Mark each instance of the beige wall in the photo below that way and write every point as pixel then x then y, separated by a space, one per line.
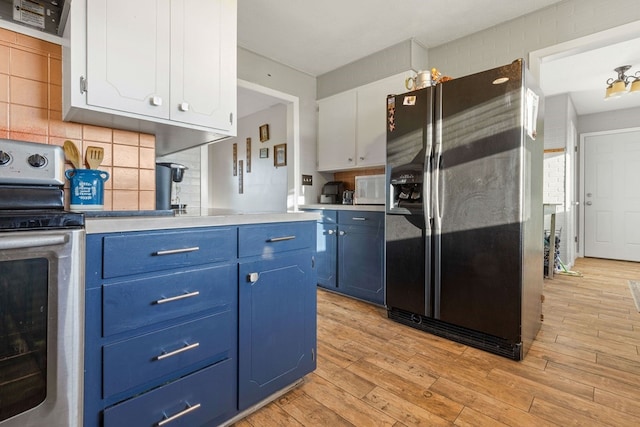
pixel 31 110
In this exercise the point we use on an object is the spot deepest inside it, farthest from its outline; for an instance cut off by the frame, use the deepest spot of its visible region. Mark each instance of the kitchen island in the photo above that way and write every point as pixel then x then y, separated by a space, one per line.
pixel 199 319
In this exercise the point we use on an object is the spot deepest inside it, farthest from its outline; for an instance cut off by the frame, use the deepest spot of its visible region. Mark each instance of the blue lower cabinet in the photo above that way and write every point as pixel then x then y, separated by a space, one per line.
pixel 226 321
pixel 195 400
pixel 277 327
pixel 350 252
pixel 327 255
pixel 361 261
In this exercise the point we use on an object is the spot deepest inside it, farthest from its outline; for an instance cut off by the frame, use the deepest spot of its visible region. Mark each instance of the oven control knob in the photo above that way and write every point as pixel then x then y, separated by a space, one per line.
pixel 4 158
pixel 37 160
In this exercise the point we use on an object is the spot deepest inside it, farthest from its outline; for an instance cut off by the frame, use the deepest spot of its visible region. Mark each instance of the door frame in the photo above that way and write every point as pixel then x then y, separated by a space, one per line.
pixel 580 195
pixel 294 180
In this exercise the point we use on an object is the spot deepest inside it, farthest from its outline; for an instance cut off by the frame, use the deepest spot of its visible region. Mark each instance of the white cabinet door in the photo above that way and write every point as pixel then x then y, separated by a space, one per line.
pixel 128 56
pixel 203 76
pixel 371 132
pixel 337 131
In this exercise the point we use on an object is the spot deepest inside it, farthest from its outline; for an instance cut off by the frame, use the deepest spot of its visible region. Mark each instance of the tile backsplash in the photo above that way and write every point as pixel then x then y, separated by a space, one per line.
pixel 31 110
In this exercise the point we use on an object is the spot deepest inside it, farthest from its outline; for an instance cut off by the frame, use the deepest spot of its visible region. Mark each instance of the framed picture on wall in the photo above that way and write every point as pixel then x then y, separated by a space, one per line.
pixel 264 133
pixel 280 155
pixel 264 153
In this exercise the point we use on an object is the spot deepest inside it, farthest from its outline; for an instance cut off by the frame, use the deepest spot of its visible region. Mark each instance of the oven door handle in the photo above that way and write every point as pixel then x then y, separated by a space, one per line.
pixel 23 242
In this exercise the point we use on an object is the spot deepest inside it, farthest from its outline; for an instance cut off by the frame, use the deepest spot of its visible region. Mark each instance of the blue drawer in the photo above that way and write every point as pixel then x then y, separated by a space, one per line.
pixel 134 303
pixel 129 363
pixel 266 239
pixel 371 219
pixel 154 251
pixel 204 397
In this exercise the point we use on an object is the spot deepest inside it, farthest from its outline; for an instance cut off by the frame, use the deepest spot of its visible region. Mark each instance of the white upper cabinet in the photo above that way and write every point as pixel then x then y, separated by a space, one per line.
pixel 128 56
pixel 337 131
pixel 153 66
pixel 352 125
pixel 203 38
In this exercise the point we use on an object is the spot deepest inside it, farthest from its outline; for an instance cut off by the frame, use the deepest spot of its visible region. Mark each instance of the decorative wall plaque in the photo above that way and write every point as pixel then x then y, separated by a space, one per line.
pixel 240 178
pixel 248 155
pixel 235 159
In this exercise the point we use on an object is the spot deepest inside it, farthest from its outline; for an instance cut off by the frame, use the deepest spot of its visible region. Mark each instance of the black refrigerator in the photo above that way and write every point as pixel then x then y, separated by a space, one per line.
pixel 464 224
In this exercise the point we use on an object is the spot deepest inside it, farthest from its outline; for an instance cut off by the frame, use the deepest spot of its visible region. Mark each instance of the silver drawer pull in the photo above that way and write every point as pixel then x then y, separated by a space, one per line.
pixel 178 351
pixel 281 239
pixel 178 297
pixel 190 408
pixel 177 251
pixel 359 218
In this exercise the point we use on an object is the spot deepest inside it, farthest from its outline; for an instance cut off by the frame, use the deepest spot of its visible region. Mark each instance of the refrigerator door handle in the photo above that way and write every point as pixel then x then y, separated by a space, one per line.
pixel 437 204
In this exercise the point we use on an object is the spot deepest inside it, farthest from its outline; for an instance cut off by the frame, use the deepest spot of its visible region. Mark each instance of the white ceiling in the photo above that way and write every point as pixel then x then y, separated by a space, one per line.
pixel 584 76
pixel 317 36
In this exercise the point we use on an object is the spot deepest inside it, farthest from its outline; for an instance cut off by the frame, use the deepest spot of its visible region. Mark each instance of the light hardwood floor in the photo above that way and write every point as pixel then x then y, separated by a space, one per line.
pixel 582 370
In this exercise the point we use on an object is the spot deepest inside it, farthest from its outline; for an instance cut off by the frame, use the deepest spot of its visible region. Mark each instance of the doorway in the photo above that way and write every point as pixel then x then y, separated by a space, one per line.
pixel 611 194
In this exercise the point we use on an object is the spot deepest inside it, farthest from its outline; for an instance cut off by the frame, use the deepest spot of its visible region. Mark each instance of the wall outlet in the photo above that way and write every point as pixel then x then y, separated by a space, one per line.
pixel 307 180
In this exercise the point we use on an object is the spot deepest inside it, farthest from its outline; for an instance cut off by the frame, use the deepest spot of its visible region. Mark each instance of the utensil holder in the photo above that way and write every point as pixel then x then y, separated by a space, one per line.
pixel 87 189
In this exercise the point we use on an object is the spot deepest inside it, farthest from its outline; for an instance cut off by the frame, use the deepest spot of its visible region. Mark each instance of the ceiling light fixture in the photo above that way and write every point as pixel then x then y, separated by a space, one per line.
pixel 618 87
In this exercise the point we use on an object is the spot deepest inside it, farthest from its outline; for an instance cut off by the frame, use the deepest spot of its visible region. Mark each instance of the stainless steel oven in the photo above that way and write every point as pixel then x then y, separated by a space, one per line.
pixel 41 291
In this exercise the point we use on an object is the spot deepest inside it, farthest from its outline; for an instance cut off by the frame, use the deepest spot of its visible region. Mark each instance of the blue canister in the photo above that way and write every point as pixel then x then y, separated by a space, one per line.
pixel 87 189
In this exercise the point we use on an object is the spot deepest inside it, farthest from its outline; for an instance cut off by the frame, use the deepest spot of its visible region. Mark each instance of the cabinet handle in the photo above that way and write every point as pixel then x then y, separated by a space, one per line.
pixel 184 106
pixel 361 158
pixel 178 297
pixel 342 233
pixel 350 159
pixel 156 101
pixel 83 85
pixel 253 277
pixel 178 351
pixel 177 251
pixel 330 232
pixel 280 239
pixel 359 218
pixel 190 408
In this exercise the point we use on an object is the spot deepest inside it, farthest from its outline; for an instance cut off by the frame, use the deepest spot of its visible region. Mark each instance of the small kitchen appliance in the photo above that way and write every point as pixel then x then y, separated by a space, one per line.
pixel 332 192
pixel 42 290
pixel 370 190
pixel 347 197
pixel 166 175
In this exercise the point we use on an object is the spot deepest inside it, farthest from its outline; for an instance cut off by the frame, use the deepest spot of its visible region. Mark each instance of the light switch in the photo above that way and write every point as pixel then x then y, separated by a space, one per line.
pixel 307 180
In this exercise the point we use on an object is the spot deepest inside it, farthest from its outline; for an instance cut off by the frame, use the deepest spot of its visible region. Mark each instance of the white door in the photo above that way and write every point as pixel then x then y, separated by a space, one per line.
pixel 612 196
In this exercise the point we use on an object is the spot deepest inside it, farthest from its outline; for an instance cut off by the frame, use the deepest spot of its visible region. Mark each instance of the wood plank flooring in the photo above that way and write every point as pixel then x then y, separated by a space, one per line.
pixel 582 370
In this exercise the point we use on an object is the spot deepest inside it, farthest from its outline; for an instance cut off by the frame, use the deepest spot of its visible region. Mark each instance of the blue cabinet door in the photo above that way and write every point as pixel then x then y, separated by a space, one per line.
pixel 361 262
pixel 327 255
pixel 277 324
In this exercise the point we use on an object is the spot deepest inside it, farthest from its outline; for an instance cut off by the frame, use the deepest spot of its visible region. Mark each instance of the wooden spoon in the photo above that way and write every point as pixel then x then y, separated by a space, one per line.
pixel 72 153
pixel 94 156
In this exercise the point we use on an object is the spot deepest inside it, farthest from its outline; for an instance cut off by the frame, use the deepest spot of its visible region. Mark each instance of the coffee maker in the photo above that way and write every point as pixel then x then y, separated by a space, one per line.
pixel 166 175
pixel 332 192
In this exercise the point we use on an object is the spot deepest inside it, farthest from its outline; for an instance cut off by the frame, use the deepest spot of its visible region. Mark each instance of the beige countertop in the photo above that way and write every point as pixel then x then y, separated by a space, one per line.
pixel 368 208
pixel 213 217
